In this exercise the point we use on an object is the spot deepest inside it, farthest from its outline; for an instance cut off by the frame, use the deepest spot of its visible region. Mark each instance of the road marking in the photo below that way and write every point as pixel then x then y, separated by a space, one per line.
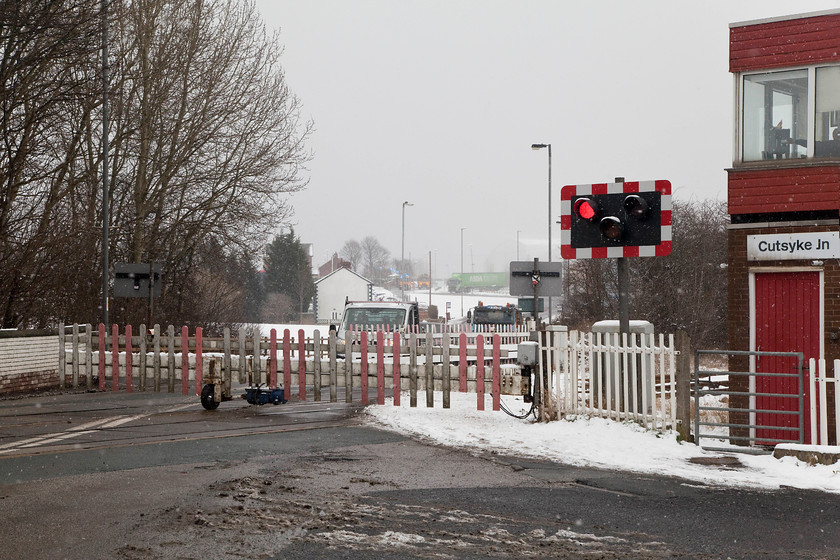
pixel 75 431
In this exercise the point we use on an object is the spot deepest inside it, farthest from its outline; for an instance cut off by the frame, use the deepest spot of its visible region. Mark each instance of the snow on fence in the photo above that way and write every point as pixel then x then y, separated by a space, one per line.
pixel 622 378
pixel 820 408
pixel 156 361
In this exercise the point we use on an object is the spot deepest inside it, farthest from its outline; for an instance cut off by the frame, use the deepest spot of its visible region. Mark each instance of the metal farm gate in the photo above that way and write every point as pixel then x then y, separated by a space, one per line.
pixel 756 409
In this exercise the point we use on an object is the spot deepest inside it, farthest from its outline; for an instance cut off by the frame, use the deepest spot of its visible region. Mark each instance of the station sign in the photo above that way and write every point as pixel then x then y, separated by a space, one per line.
pixel 793 246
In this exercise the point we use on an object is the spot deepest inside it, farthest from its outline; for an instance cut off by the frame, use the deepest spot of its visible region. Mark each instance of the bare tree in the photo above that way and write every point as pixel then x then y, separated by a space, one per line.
pixel 375 259
pixel 352 252
pixel 209 139
pixel 206 144
pixel 683 291
pixel 45 48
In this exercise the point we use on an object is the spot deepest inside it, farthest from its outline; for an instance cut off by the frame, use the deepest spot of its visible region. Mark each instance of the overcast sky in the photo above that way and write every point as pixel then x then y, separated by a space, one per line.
pixel 437 102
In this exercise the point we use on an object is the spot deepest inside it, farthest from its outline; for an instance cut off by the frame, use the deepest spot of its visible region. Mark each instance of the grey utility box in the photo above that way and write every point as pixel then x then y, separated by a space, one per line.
pixel 526 353
pixel 609 365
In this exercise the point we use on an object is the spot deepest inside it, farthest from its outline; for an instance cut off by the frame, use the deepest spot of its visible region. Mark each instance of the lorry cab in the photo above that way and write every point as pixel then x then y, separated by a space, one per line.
pixel 495 315
pixel 372 316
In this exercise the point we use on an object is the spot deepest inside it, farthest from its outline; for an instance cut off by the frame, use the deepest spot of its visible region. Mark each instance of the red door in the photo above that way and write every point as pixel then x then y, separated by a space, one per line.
pixel 787 319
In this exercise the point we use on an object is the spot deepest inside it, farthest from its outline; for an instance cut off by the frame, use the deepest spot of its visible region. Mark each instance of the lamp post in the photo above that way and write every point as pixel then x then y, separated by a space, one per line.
pixel 540 147
pixel 402 252
pixel 517 243
pixel 462 271
pixel 106 219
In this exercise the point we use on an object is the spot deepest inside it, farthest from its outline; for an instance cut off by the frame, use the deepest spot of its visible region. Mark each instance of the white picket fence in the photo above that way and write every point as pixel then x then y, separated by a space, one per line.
pixel 627 378
pixel 820 420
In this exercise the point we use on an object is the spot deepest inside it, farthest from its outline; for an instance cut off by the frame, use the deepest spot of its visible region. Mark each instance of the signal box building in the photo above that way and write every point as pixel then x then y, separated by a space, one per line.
pixel 784 197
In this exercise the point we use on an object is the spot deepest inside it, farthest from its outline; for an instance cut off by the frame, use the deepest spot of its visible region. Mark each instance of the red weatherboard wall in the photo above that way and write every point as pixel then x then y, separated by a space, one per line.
pixel 793 42
pixel 797 189
pixel 792 186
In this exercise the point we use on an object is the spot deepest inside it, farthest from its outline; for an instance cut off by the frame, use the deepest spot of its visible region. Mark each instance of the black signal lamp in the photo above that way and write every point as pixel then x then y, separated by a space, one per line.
pixel 611 228
pixel 636 207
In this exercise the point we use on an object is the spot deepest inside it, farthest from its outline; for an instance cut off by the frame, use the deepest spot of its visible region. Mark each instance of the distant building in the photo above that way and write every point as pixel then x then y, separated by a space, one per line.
pixel 332 265
pixel 332 290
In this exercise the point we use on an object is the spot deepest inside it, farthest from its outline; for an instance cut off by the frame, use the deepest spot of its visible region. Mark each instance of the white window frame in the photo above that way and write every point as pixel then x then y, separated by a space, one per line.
pixel 738 155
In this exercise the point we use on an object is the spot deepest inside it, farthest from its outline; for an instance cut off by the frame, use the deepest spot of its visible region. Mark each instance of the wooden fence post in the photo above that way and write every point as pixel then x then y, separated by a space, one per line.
pixel 412 369
pixel 185 361
pixel 363 371
pixel 75 354
pixel 62 356
pixel 462 362
pixel 199 360
pixel 301 365
pixel 89 356
pixel 497 371
pixel 257 353
pixel 115 357
pixel 272 359
pixel 396 369
pixel 333 367
pixel 380 368
pixel 129 386
pixel 227 362
pixel 243 356
pixel 348 366
pixel 170 362
pixel 142 365
pixel 683 382
pixel 156 358
pixel 430 372
pixel 316 346
pixel 479 371
pixel 287 364
pixel 446 373
pixel 102 335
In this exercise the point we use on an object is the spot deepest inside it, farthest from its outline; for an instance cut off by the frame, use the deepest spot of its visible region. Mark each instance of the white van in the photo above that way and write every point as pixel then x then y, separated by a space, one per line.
pixel 372 316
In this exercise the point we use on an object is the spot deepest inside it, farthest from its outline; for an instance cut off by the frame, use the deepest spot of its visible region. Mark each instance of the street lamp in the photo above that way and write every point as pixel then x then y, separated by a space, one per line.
pixel 462 271
pixel 106 219
pixel 540 147
pixel 402 252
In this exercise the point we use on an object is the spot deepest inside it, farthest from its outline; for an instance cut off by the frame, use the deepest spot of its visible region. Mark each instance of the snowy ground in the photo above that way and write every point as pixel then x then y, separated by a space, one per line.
pixel 579 441
pixel 593 442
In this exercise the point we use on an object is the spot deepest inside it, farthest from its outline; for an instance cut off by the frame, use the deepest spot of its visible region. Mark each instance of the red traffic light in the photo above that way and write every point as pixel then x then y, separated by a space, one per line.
pixel 587 209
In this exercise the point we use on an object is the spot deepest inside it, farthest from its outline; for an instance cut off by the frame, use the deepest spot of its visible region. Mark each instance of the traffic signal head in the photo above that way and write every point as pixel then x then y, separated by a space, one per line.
pixel 611 228
pixel 588 209
pixel 616 220
pixel 636 207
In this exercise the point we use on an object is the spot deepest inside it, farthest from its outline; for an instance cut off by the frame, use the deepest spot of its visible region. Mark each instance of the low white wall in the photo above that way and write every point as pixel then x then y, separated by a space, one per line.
pixel 28 363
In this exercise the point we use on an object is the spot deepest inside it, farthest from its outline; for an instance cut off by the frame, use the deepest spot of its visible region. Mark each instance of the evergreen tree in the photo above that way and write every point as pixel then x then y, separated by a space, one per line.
pixel 288 270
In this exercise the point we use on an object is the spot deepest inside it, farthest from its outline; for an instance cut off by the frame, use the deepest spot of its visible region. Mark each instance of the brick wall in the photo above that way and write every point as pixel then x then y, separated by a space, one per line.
pixel 739 303
pixel 28 363
pixel 739 293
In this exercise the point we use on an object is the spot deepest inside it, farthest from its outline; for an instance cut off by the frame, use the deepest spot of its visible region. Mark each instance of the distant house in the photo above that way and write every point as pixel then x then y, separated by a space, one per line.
pixel 334 289
pixel 332 265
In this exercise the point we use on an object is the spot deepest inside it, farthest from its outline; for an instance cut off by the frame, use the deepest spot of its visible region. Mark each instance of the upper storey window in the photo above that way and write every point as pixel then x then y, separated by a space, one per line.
pixel 827 126
pixel 791 114
pixel 775 119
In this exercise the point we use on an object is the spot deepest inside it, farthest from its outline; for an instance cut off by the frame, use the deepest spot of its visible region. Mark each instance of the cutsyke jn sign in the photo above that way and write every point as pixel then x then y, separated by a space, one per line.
pixel 793 246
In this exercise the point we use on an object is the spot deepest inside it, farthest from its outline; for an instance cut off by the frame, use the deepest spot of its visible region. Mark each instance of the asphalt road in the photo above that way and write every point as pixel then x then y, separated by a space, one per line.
pixel 146 476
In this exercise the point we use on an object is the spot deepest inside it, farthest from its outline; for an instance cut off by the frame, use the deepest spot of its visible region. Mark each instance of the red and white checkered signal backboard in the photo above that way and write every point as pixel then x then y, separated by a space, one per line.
pixel 570 192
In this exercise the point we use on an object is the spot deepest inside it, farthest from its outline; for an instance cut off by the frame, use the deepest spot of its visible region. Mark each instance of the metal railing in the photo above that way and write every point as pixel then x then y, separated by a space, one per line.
pixel 752 435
